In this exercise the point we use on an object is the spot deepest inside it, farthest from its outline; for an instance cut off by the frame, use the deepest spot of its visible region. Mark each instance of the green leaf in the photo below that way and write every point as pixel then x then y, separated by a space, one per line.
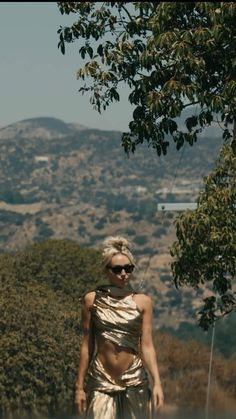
pixel 171 56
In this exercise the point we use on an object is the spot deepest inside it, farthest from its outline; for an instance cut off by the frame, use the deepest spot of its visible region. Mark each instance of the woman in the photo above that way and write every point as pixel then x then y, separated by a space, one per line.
pixel 117 351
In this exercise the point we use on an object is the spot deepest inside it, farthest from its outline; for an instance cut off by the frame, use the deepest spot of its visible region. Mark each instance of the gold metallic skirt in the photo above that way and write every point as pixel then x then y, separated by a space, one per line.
pixel 125 398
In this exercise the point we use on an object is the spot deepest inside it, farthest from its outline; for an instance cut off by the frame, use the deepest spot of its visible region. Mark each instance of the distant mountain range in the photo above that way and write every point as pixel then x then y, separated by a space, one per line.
pixel 43 127
pixel 67 181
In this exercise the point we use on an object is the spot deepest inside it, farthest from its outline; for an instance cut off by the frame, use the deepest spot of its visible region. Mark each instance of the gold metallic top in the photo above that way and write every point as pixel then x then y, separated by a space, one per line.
pixel 117 319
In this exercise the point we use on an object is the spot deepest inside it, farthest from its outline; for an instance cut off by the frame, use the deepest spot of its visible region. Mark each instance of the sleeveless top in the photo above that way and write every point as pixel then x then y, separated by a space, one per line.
pixel 117 319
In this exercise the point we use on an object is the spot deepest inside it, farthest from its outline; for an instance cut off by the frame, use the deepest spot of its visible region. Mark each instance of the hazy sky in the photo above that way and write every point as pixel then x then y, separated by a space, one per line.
pixel 36 79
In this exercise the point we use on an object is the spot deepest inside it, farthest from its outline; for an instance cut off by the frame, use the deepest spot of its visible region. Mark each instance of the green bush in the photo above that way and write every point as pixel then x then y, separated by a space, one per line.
pixel 140 240
pixel 41 289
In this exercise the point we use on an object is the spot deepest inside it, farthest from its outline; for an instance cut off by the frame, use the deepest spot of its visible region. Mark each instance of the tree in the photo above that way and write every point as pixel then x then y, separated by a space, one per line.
pixel 205 252
pixel 67 267
pixel 172 55
pixel 41 290
pixel 39 351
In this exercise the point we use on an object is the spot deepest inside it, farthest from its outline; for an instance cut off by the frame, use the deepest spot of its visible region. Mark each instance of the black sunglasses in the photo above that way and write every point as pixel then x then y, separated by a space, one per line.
pixel 117 269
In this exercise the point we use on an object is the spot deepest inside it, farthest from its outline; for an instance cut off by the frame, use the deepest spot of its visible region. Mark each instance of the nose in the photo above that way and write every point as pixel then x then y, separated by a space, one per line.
pixel 123 272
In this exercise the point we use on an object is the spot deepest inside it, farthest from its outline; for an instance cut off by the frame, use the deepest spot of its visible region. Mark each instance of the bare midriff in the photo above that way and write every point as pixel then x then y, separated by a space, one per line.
pixel 115 359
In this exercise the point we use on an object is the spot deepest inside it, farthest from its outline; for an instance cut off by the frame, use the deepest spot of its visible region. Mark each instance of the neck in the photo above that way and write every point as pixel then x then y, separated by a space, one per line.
pixel 118 292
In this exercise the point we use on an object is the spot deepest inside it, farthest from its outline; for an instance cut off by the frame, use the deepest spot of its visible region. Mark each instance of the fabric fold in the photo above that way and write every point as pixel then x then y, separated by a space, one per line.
pixel 118 320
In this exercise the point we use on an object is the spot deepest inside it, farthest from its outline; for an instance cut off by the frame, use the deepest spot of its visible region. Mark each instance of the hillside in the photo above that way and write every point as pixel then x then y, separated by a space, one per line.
pixel 43 127
pixel 60 180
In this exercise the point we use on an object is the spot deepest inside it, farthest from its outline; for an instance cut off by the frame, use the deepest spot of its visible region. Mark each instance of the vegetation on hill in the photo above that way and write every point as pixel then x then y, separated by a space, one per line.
pixel 224 337
pixel 81 188
pixel 185 372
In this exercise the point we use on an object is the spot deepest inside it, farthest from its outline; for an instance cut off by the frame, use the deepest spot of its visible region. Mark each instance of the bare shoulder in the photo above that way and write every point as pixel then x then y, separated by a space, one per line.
pixel 89 298
pixel 143 301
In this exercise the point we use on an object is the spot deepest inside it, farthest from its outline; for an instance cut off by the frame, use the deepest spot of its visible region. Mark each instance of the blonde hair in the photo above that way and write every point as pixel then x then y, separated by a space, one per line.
pixel 114 245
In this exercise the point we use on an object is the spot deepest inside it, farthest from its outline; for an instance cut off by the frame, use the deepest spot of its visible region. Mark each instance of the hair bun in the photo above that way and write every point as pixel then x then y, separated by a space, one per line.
pixel 118 242
pixel 113 245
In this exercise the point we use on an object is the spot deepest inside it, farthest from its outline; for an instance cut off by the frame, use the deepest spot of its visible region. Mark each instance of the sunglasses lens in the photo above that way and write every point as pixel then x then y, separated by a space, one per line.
pixel 128 268
pixel 118 269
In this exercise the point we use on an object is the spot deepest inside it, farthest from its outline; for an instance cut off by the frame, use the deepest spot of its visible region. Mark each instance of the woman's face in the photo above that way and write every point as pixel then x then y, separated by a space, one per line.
pixel 122 267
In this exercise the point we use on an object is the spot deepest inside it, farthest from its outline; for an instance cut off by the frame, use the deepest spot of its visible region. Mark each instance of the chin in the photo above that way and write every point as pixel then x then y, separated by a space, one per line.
pixel 123 284
pixel 120 284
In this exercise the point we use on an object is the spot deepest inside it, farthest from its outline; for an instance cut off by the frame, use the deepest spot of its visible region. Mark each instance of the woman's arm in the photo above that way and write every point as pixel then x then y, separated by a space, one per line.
pixel 80 396
pixel 149 353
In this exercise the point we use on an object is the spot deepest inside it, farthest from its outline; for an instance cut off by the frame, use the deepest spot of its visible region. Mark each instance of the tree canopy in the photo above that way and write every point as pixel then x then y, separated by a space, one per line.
pixel 173 56
pixel 41 289
pixel 205 252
